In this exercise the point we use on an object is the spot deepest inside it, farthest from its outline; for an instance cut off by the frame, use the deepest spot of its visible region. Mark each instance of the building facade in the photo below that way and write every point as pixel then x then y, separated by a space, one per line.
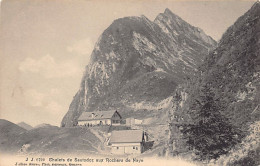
pixel 127 142
pixel 100 118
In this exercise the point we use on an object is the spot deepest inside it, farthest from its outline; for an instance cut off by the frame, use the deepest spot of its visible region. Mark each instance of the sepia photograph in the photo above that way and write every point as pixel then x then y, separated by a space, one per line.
pixel 134 82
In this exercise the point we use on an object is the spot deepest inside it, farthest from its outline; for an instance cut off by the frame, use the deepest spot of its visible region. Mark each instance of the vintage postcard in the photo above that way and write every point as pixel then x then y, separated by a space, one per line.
pixel 134 82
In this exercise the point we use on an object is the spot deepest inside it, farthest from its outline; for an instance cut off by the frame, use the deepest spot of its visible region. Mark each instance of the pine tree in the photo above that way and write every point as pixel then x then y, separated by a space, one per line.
pixel 209 133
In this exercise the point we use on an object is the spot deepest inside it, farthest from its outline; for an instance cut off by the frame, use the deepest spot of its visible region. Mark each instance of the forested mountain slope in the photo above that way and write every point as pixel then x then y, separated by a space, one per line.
pixel 218 106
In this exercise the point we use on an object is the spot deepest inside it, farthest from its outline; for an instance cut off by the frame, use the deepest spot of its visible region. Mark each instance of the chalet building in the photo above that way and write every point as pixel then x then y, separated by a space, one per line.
pixel 99 118
pixel 128 142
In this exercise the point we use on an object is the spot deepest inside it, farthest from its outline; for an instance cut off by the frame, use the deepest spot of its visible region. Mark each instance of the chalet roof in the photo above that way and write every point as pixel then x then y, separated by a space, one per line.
pixel 126 136
pixel 96 115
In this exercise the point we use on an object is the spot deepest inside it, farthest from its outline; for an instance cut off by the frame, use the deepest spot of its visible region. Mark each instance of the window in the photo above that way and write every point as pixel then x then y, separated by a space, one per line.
pixel 136 148
pixel 117 147
pixel 133 147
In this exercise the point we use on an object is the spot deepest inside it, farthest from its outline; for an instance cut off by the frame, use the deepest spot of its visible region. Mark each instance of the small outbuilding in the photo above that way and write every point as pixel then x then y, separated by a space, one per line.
pixel 127 142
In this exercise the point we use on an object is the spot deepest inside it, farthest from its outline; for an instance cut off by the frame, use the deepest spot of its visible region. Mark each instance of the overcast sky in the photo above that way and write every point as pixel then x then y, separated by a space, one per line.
pixel 45 45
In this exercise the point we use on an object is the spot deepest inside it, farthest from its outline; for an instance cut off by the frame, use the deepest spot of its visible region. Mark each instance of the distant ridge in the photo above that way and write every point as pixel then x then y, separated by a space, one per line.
pixel 25 125
pixel 43 125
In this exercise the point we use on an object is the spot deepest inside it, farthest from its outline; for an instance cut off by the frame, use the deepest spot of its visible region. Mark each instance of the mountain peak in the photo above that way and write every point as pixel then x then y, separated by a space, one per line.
pixel 167 10
pixel 171 23
pixel 135 59
pixel 169 13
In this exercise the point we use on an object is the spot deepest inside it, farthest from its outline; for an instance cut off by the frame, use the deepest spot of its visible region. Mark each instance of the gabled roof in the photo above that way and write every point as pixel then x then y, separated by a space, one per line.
pixel 97 115
pixel 126 136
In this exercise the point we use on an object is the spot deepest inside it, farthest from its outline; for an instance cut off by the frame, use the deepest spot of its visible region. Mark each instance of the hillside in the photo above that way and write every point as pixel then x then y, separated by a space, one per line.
pixel 139 62
pixel 47 140
pixel 224 95
pixel 8 133
pixel 233 68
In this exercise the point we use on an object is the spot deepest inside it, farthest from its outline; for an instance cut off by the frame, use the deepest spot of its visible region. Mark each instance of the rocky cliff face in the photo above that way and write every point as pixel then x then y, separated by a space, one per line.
pixel 137 61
